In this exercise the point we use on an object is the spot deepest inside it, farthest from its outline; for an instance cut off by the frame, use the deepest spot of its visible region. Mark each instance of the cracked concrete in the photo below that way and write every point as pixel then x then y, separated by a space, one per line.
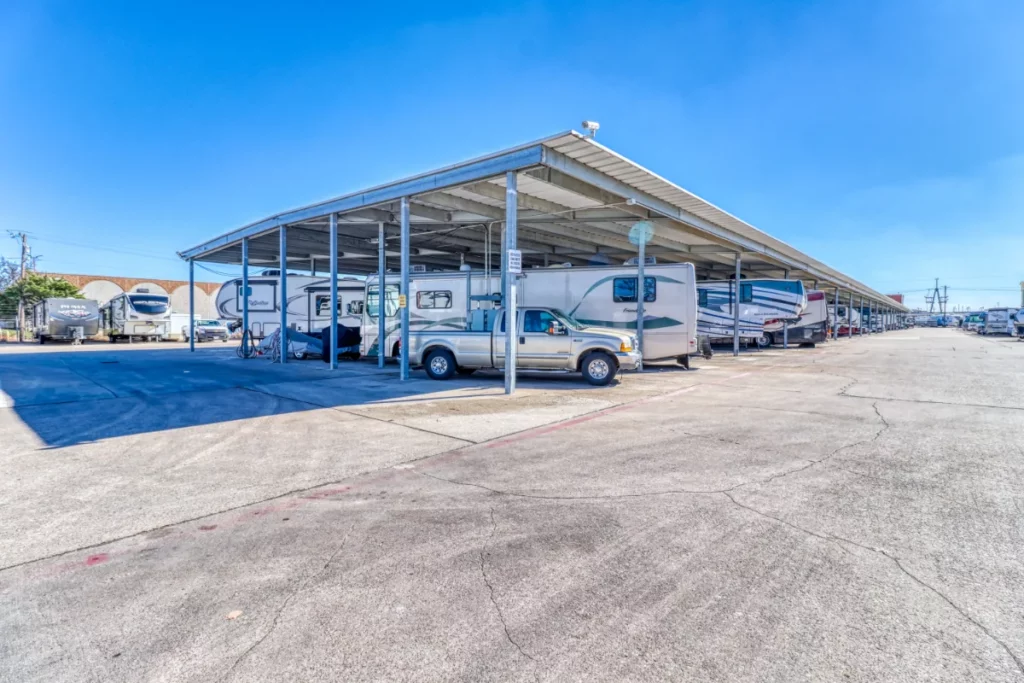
pixel 848 513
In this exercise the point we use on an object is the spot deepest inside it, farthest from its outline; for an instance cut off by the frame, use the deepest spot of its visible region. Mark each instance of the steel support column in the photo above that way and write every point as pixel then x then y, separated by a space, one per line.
pixel 835 318
pixel 860 310
pixel 736 308
pixel 191 305
pixel 785 323
pixel 509 300
pixel 283 246
pixel 334 291
pixel 849 318
pixel 404 352
pixel 641 290
pixel 381 290
pixel 245 297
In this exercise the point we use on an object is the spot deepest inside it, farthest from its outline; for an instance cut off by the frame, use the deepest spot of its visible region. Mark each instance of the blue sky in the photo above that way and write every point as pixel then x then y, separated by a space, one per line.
pixel 884 138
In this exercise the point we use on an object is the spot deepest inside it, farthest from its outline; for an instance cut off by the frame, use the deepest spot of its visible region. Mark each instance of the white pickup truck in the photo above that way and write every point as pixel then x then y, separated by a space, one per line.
pixel 548 340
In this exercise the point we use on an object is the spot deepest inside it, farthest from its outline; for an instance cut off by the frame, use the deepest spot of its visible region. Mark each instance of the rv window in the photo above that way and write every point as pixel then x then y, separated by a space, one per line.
pixel 702 298
pixel 746 293
pixel 323 305
pixel 390 301
pixel 439 299
pixel 355 307
pixel 624 289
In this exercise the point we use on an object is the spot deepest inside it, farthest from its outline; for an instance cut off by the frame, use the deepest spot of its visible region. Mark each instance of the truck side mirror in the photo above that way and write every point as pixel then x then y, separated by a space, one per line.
pixel 557 329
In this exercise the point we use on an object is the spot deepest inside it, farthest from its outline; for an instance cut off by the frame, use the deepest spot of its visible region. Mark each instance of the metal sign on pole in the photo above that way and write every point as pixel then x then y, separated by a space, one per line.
pixel 514 259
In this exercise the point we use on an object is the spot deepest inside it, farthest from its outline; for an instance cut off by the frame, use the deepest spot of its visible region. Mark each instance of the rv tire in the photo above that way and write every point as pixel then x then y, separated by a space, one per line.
pixel 439 364
pixel 705 348
pixel 599 369
pixel 684 361
pixel 765 340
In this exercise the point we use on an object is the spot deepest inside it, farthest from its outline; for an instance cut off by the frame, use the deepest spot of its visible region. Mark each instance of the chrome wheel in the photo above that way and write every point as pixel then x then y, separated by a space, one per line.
pixel 598 368
pixel 439 365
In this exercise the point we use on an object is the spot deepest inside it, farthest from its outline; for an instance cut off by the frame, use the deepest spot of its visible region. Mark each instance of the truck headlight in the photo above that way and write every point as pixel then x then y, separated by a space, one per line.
pixel 625 347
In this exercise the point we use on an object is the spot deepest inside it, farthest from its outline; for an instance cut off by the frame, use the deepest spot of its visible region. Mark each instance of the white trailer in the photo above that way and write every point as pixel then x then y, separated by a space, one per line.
pixel 811 328
pixel 1000 321
pixel 602 296
pixel 309 302
pixel 760 301
pixel 136 314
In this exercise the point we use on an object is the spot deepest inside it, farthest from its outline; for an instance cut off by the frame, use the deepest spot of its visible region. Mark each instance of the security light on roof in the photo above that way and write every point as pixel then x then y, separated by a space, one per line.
pixel 591 127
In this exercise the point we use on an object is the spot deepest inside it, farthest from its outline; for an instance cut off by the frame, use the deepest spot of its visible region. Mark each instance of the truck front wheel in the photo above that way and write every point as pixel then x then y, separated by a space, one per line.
pixel 599 369
pixel 440 364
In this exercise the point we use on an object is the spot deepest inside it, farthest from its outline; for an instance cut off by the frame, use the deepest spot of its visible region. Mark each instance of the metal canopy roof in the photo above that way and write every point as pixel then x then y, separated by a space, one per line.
pixel 577 202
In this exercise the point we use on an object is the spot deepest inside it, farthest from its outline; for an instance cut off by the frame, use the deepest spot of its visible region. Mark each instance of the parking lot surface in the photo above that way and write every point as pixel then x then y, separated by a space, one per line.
pixel 852 512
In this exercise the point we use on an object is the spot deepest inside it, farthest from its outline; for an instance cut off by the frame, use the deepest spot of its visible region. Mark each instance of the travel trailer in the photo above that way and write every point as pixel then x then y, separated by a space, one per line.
pixel 1000 321
pixel 65 320
pixel 601 296
pixel 841 323
pixel 309 302
pixel 811 328
pixel 1018 323
pixel 759 301
pixel 136 314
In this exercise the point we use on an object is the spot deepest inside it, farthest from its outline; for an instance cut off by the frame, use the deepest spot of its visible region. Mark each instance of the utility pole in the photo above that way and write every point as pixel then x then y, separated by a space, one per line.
pixel 21 276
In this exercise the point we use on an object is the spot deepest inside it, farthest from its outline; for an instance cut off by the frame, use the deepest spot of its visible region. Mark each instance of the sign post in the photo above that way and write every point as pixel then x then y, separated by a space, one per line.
pixel 640 234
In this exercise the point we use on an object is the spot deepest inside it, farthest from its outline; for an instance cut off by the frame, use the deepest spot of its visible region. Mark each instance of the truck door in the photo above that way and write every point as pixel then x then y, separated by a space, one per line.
pixel 544 342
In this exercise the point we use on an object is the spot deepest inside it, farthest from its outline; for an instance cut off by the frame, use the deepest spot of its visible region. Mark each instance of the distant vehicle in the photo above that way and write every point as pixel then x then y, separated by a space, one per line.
pixel 601 296
pixel 973 321
pixel 811 328
pixel 206 330
pixel 309 302
pixel 549 339
pixel 845 319
pixel 759 302
pixel 136 314
pixel 1018 323
pixel 1000 321
pixel 65 320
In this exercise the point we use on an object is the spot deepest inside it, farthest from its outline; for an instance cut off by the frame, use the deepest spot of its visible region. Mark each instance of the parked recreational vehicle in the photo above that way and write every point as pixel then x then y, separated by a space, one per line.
pixel 65 319
pixel 309 302
pixel 136 314
pixel 842 322
pixel 811 328
pixel 759 300
pixel 1000 321
pixel 601 296
pixel 1018 323
pixel 973 321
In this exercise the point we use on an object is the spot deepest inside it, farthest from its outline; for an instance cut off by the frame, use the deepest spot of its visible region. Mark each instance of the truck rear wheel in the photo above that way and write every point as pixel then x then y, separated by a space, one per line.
pixel 440 364
pixel 599 369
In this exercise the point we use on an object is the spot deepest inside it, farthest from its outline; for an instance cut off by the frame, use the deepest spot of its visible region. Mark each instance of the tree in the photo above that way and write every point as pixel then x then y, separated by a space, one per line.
pixel 35 287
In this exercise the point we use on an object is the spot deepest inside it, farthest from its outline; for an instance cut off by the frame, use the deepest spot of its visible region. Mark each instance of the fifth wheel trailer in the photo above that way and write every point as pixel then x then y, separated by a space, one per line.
pixel 309 302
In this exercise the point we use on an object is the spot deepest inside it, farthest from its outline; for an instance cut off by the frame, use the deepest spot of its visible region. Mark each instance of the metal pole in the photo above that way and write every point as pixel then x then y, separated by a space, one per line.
pixel 245 297
pixel 735 296
pixel 405 289
pixel 835 318
pixel 860 310
pixel 511 217
pixel 283 248
pixel 849 318
pixel 191 305
pixel 381 288
pixel 504 253
pixel 785 323
pixel 334 291
pixel 641 290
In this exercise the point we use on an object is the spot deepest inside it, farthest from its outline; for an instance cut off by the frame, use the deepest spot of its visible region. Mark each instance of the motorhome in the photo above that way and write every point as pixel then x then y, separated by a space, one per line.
pixel 1000 321
pixel 760 301
pixel 811 328
pixel 1018 323
pixel 137 314
pixel 65 319
pixel 309 302
pixel 600 296
pixel 973 321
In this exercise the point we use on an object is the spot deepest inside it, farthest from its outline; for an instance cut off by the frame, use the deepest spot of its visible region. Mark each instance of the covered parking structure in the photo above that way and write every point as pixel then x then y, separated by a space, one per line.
pixel 562 199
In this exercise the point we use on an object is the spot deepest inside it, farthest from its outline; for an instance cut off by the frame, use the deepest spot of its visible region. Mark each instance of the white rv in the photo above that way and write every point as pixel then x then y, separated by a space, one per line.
pixel 602 296
pixel 309 302
pixel 760 301
pixel 1000 321
pixel 136 314
pixel 811 328
pixel 842 321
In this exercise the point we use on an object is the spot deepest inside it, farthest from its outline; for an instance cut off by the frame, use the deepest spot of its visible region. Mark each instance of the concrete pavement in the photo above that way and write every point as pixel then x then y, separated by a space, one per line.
pixel 847 513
